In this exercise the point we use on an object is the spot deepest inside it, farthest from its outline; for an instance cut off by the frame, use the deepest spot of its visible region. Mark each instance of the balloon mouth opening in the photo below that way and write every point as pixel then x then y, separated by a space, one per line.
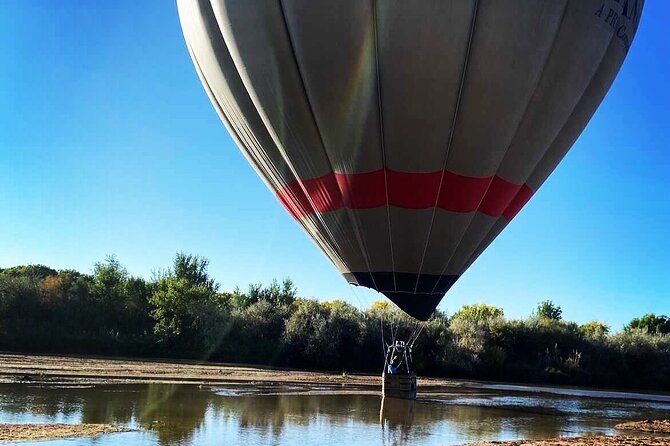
pixel 419 306
pixel 416 294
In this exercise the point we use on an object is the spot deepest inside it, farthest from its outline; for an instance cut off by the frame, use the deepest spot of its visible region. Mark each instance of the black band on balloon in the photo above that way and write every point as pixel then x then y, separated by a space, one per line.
pixel 419 300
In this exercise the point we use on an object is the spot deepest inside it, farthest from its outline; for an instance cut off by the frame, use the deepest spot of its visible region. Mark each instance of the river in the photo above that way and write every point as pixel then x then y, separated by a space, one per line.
pixel 252 415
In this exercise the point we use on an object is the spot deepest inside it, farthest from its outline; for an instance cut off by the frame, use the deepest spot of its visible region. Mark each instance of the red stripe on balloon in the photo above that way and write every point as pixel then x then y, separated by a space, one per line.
pixel 462 194
pixel 498 196
pixel 492 196
pixel 518 202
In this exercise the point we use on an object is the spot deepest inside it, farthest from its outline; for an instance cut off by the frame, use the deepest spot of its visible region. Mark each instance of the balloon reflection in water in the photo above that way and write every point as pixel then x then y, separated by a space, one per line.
pixel 396 417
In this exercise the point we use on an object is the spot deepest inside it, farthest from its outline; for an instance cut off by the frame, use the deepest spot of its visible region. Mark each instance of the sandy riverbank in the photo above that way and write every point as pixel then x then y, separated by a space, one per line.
pixel 584 441
pixel 650 426
pixel 92 370
pixel 654 426
pixel 39 432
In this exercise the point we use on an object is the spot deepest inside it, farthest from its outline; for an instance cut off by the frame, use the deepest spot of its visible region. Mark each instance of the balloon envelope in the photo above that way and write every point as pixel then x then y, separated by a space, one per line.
pixel 403 136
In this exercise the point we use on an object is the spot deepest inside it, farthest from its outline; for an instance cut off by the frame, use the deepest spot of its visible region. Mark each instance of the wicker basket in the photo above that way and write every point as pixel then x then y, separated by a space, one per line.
pixel 399 386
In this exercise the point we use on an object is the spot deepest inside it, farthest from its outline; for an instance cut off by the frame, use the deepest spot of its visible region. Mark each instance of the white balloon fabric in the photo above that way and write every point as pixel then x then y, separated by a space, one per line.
pixel 403 136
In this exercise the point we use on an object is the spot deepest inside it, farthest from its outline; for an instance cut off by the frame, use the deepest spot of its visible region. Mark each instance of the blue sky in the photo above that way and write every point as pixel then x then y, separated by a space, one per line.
pixel 108 145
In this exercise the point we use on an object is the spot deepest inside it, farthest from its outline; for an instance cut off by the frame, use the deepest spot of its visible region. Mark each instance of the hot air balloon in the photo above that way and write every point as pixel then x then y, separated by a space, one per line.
pixel 403 136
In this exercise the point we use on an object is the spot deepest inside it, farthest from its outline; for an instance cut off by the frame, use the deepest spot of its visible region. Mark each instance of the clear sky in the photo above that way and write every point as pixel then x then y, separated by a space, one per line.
pixel 109 145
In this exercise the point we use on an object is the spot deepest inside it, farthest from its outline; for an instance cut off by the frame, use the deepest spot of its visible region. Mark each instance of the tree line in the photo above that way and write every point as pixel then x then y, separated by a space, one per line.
pixel 182 313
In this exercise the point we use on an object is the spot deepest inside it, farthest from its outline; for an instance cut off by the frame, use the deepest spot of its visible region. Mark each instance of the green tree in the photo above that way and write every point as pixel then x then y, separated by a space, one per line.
pixel 35 272
pixel 186 306
pixel 120 302
pixel 193 269
pixel 548 310
pixel 20 308
pixel 309 337
pixel 306 326
pixel 255 335
pixel 275 294
pixel 234 300
pixel 479 313
pixel 595 329
pixel 650 323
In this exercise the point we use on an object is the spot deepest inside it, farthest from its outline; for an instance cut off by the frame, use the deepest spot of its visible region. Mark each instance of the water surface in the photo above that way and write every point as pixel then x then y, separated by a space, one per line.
pixel 304 415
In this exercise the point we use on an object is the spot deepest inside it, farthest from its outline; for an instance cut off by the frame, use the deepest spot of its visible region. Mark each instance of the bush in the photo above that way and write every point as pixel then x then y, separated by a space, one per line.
pixel 547 310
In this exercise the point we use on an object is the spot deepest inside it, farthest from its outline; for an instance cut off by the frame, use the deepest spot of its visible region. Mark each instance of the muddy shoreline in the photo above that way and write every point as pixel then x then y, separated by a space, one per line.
pixel 100 370
pixel 618 440
pixel 41 432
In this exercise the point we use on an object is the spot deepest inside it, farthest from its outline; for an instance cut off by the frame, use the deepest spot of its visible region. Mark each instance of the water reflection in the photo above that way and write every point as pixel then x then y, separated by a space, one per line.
pixel 186 414
pixel 396 418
